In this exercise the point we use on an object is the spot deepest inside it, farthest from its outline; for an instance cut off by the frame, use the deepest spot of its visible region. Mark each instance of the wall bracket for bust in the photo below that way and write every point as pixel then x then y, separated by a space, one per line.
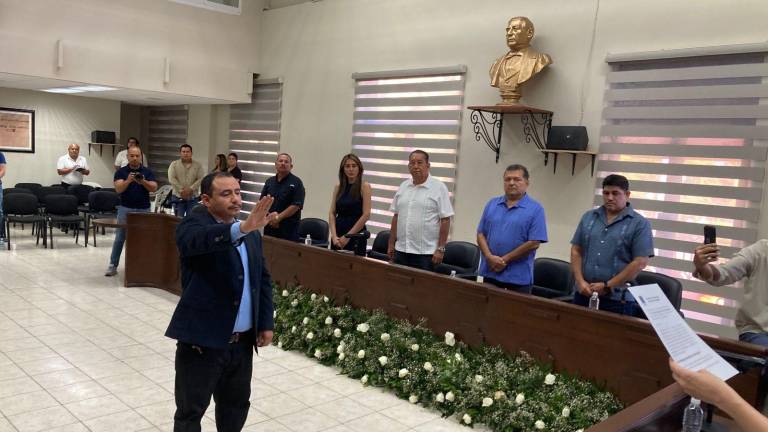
pixel 488 121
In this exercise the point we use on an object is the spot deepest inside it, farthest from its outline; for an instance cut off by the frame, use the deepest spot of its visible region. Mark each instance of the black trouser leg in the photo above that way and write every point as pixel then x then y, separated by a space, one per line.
pixel 233 393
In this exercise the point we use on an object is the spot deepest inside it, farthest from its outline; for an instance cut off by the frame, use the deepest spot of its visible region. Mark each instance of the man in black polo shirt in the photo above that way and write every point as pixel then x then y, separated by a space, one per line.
pixel 133 182
pixel 288 191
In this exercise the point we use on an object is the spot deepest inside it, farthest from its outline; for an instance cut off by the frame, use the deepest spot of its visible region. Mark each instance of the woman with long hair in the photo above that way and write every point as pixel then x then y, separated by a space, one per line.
pixel 350 204
pixel 221 163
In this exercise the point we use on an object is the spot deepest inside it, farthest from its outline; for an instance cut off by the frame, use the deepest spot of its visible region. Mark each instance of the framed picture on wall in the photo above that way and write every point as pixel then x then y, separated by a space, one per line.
pixel 17 130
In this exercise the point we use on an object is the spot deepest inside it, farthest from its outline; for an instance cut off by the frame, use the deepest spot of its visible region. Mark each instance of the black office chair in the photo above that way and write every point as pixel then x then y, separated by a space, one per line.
pixel 22 208
pixel 14 190
pixel 380 245
pixel 462 257
pixel 48 190
pixel 101 204
pixel 81 192
pixel 31 186
pixel 672 287
pixel 552 279
pixel 62 209
pixel 317 229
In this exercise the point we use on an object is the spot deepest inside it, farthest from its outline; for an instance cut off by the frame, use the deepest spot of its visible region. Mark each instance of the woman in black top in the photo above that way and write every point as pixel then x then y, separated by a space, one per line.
pixel 233 168
pixel 351 203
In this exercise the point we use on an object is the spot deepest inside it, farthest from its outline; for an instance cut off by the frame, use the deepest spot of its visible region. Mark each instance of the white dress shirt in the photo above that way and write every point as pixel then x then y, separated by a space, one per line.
pixel 122 159
pixel 74 177
pixel 419 209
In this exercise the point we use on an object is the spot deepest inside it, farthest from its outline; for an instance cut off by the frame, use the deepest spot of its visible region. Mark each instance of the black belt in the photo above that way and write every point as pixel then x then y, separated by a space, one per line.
pixel 238 336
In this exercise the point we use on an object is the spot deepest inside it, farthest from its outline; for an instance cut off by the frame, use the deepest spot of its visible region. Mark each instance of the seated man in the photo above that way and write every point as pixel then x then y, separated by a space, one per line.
pixel 749 264
pixel 612 244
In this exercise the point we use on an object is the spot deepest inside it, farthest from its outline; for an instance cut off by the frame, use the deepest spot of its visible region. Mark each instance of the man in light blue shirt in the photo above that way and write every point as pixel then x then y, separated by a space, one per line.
pixel 612 244
pixel 511 229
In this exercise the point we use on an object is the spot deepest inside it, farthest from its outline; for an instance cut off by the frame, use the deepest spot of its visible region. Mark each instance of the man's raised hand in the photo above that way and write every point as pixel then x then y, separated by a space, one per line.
pixel 259 216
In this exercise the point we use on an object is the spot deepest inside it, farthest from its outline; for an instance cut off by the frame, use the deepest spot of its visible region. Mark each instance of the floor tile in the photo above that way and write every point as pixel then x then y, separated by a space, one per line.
pixel 17 386
pixel 314 394
pixel 78 391
pixel 96 407
pixel 126 421
pixel 409 414
pixel 25 402
pixel 42 420
pixel 375 423
pixel 343 410
pixel 307 420
pixel 278 405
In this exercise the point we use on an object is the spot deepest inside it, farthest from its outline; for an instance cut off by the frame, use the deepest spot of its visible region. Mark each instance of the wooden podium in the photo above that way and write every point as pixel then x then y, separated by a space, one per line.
pixel 151 258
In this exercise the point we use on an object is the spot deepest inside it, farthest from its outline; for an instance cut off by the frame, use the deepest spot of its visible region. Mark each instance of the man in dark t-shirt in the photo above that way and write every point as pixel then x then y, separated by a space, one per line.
pixel 133 182
pixel 288 191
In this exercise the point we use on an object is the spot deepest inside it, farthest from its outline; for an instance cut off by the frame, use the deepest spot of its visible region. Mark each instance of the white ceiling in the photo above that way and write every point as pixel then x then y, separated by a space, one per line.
pixel 131 96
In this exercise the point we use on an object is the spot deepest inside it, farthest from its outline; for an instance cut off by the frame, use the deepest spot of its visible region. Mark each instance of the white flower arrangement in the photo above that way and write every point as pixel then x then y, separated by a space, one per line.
pixel 318 354
pixel 286 293
pixel 361 354
pixel 313 297
pixel 550 379
pixel 342 356
pixel 328 320
pixel 440 397
pixel 499 395
pixel 450 339
pixel 539 425
pixel 487 402
pixel 428 367
pixel 402 373
pixel 326 299
pixel 293 329
pixel 566 412
pixel 363 328
pixel 337 333
pixel 340 348
pixel 385 337
pixel 294 303
pixel 415 347
pixel 458 357
pixel 413 399
pixel 274 314
pixel 364 379
pixel 383 360
pixel 310 336
pixel 279 344
pixel 305 321
pixel 519 399
pixel 467 419
pixel 478 379
pixel 450 397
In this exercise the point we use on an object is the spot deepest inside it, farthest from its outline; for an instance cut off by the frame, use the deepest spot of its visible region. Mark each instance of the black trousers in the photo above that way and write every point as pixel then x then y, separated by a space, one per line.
pixel 423 262
pixel 525 289
pixel 224 374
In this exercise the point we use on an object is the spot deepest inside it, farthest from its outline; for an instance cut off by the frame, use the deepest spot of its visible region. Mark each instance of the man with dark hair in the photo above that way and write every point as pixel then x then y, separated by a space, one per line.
pixel 232 167
pixel 185 175
pixel 612 244
pixel 225 309
pixel 121 159
pixel 510 230
pixel 133 182
pixel 288 191
pixel 422 217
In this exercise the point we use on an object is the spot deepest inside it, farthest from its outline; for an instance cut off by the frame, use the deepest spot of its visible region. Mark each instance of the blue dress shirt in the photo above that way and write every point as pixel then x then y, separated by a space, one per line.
pixel 505 229
pixel 244 320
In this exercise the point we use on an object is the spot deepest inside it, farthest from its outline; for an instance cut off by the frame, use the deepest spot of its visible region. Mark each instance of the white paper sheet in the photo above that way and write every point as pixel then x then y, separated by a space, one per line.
pixel 682 343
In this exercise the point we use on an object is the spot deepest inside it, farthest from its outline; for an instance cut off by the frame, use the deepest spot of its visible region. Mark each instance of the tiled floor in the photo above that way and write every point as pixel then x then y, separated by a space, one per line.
pixel 78 352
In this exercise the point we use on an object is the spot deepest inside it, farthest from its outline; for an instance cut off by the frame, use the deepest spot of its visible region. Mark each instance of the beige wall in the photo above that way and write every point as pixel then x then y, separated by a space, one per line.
pixel 59 121
pixel 315 47
pixel 124 43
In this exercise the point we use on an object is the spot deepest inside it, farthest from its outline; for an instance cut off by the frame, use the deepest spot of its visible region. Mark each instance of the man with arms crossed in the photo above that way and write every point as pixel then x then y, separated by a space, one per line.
pixel 510 231
pixel 225 309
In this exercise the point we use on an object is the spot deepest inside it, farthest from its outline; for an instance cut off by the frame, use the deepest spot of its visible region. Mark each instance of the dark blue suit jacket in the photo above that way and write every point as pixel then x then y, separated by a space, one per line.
pixel 212 283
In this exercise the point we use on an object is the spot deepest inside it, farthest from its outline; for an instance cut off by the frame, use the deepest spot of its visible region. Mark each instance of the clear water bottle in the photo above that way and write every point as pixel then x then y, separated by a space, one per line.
pixel 453 273
pixel 693 416
pixel 308 240
pixel 594 301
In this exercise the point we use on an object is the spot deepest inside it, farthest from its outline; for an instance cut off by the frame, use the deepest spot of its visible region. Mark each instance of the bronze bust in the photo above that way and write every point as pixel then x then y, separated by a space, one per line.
pixel 511 70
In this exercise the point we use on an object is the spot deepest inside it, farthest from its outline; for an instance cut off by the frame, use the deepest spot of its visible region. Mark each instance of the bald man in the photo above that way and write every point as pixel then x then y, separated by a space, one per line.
pixel 72 167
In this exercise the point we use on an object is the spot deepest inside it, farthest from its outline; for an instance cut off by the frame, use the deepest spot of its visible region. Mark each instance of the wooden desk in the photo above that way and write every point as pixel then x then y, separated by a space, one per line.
pixel 151 258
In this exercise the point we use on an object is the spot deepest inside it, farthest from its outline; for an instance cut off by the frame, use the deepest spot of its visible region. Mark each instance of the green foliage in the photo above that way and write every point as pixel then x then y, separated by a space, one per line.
pixel 482 385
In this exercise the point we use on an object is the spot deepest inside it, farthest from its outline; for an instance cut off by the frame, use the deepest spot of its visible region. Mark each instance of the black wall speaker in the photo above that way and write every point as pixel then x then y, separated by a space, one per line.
pixel 567 138
pixel 105 137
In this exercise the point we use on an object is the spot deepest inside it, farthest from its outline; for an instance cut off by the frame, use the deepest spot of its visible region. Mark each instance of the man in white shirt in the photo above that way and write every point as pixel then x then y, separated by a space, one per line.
pixel 422 217
pixel 72 167
pixel 121 159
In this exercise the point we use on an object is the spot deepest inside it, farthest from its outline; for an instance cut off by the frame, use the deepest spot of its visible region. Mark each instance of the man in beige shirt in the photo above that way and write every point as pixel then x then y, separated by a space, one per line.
pixel 751 264
pixel 185 176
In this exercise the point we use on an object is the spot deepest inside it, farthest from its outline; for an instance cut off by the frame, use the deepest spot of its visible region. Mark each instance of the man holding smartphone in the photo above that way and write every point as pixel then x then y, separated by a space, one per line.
pixel 72 167
pixel 133 182
pixel 749 264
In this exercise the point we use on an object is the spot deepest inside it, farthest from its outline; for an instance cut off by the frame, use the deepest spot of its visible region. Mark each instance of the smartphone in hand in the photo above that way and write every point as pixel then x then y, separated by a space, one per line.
pixel 710 234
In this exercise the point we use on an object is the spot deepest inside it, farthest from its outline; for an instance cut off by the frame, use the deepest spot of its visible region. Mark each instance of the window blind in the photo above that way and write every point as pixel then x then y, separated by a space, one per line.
pixel 396 112
pixel 690 135
pixel 254 134
pixel 167 131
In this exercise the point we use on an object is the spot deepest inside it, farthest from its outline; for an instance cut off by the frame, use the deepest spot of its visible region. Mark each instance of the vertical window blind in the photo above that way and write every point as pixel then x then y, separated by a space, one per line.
pixel 254 134
pixel 689 133
pixel 167 131
pixel 396 112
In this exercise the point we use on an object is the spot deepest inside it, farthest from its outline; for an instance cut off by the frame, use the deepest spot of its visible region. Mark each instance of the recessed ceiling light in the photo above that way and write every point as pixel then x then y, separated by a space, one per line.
pixel 65 90
pixel 92 88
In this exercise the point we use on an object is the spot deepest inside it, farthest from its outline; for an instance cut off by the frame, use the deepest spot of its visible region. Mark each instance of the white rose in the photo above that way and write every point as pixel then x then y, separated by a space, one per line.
pixel 566 412
pixel 520 398
pixel 478 378
pixel 328 321
pixel 428 367
pixel 326 299
pixel 310 336
pixel 318 353
pixel 458 357
pixel 313 296
pixel 340 349
pixel 364 379
pixel 499 394
pixel 337 333
pixel 305 321
pixel 402 373
pixel 450 339
pixel 293 329
pixel 549 379
pixel 487 402
pixel 294 303
pixel 361 354
pixel 279 344
pixel 440 398
pixel 413 399
pixel 449 396
pixel 342 356
pixel 285 293
pixel 580 430
pixel 539 424
pixel 385 337
pixel 363 327
pixel 415 347
pixel 274 314
pixel 383 360
pixel 466 419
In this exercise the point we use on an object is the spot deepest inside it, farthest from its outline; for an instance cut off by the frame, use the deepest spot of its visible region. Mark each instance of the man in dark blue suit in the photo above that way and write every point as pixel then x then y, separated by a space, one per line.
pixel 225 307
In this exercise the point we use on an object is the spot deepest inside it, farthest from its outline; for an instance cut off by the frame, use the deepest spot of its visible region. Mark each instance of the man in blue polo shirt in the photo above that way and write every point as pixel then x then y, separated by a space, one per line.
pixel 133 182
pixel 612 244
pixel 511 229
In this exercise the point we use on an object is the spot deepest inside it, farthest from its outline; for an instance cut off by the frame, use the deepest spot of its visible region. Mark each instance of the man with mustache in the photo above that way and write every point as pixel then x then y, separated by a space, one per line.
pixel 511 229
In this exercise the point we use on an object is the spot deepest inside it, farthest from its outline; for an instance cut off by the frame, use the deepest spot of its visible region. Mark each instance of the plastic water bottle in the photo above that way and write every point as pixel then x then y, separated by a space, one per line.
pixel 308 240
pixel 453 273
pixel 693 416
pixel 594 301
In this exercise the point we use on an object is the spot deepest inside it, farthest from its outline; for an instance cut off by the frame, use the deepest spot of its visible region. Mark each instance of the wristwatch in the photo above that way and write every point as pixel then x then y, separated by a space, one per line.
pixel 440 249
